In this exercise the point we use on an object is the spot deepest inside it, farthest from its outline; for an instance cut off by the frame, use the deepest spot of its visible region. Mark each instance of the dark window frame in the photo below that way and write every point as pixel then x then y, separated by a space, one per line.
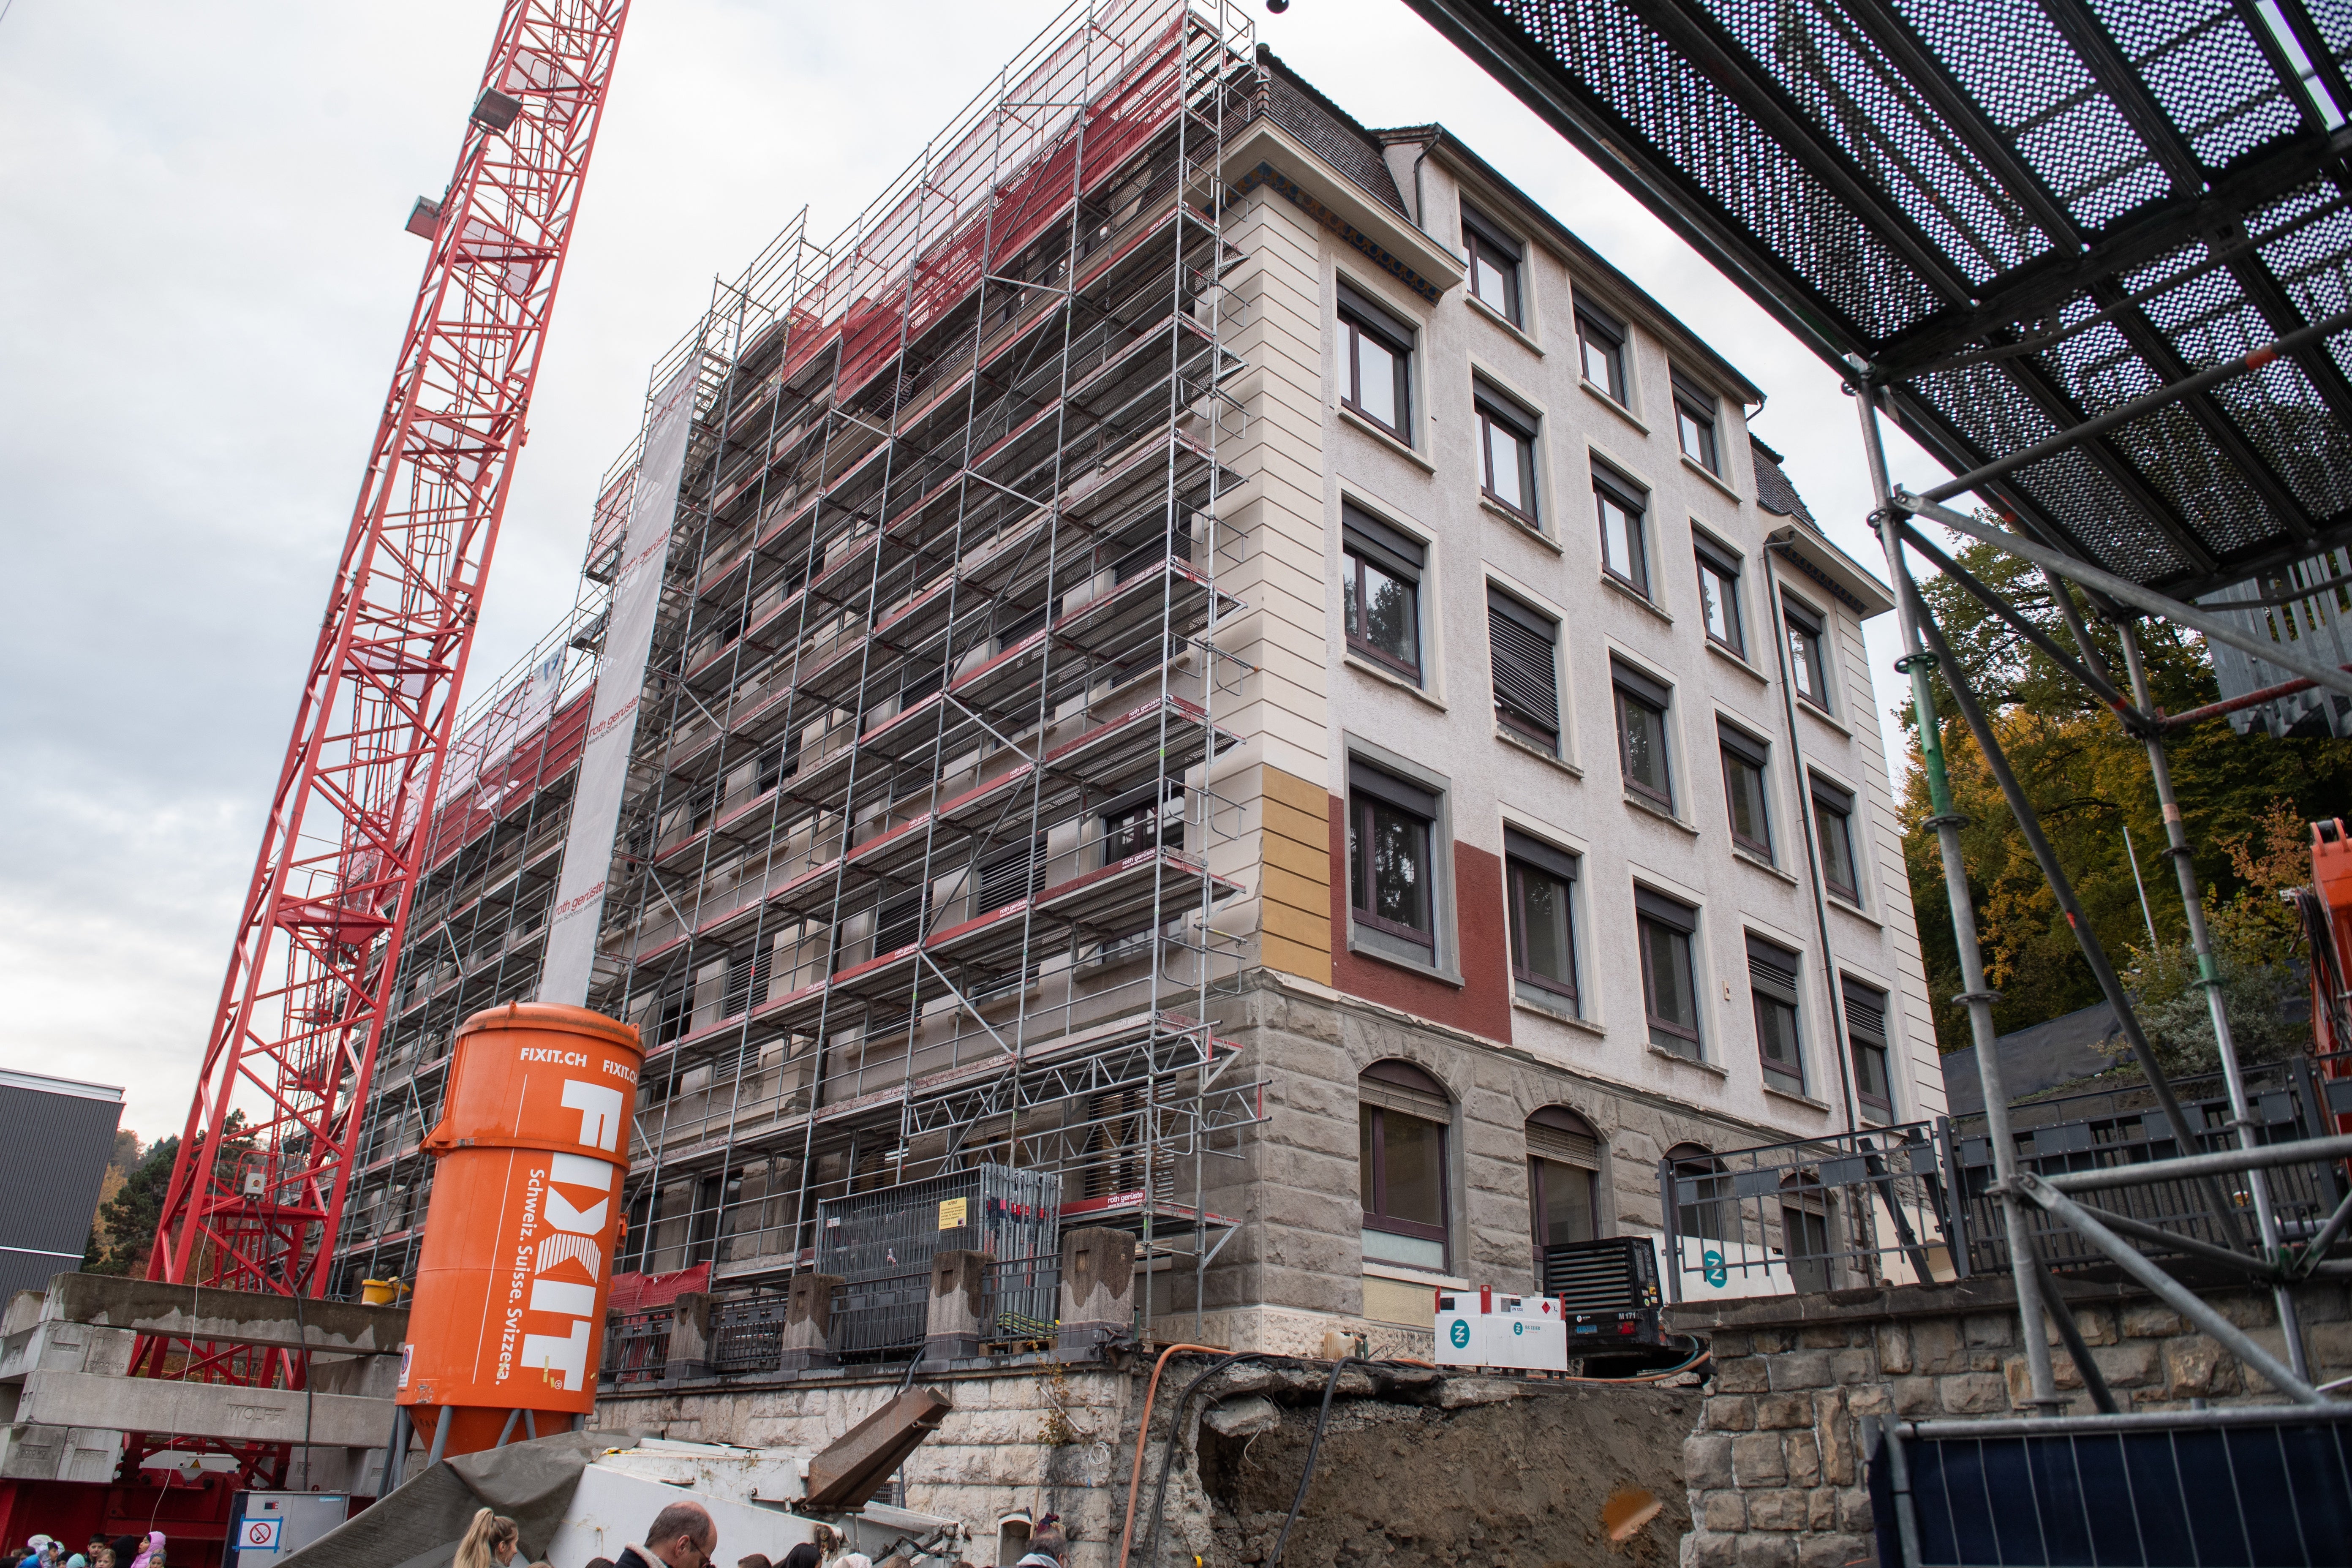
pixel 1865 1030
pixel 1698 415
pixel 1656 699
pixel 1597 331
pixel 1361 317
pixel 1523 856
pixel 1681 922
pixel 1370 789
pixel 1807 630
pixel 1494 412
pixel 1775 980
pixel 1367 542
pixel 1531 677
pixel 1834 813
pixel 1740 749
pixel 1485 239
pixel 1607 491
pixel 1375 1214
pixel 1142 819
pixel 1724 566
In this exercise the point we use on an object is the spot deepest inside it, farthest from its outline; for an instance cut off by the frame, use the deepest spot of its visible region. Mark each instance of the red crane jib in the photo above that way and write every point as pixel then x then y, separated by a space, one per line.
pixel 293 1041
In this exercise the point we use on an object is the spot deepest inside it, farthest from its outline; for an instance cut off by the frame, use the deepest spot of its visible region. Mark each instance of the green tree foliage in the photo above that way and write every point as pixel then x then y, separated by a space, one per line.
pixel 2088 781
pixel 126 1221
pixel 125 1232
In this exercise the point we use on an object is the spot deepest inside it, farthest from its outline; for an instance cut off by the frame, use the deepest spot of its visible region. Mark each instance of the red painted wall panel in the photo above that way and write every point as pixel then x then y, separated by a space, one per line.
pixel 1482 1003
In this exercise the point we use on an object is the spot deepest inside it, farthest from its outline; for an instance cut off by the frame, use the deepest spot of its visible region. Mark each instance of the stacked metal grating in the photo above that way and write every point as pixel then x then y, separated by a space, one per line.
pixel 913 872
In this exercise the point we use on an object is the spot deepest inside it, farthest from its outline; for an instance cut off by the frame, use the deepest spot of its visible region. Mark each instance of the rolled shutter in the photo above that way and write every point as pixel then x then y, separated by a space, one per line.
pixel 1772 969
pixel 1526 671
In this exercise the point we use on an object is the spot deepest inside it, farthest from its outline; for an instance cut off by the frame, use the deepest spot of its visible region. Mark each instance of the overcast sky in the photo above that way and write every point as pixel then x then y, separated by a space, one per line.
pixel 207 280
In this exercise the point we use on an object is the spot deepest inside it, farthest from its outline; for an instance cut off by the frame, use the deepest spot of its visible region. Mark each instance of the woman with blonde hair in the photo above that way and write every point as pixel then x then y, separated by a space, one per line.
pixel 491 1542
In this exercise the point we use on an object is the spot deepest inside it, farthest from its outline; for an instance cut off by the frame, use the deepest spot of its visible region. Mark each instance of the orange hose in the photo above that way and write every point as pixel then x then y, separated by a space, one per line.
pixel 1144 1431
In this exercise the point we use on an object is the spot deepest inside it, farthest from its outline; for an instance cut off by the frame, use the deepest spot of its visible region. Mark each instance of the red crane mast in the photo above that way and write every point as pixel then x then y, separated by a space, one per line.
pixel 264 1159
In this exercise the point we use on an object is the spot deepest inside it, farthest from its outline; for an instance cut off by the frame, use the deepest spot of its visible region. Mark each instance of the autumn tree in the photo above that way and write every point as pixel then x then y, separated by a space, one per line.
pixel 2088 781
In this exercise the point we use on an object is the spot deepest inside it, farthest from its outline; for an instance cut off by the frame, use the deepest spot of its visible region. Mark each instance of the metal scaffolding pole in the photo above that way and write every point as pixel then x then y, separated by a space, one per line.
pixel 1975 995
pixel 2208 978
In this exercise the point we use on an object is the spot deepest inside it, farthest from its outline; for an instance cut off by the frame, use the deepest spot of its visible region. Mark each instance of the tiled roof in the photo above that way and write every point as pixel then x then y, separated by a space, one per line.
pixel 1329 129
pixel 1775 491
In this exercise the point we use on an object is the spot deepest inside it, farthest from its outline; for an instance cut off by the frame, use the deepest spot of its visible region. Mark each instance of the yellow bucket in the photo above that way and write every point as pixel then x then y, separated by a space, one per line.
pixel 382 1292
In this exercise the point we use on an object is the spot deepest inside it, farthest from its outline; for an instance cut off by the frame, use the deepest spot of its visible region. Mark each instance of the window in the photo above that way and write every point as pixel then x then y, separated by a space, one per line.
pixel 1402 1114
pixel 1743 789
pixel 1702 1191
pixel 1663 930
pixel 747 980
pixel 1601 342
pixel 898 922
pixel 1389 862
pixel 1381 592
pixel 779 762
pixel 1773 978
pixel 1563 1168
pixel 1642 734
pixel 1694 408
pixel 1540 880
pixel 1008 876
pixel 1526 670
pixel 1376 358
pixel 1506 447
pixel 1718 593
pixel 1808 670
pixel 1865 1033
pixel 1143 820
pixel 1833 828
pixel 1494 264
pixel 1622 552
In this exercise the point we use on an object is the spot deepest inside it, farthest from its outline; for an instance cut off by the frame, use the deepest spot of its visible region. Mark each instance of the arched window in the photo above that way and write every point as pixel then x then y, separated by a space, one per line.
pixel 1403 1115
pixel 1563 1173
pixel 1702 1192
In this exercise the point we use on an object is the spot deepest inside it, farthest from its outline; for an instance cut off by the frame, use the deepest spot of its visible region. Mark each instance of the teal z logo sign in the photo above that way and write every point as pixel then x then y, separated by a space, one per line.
pixel 1460 1334
pixel 1712 1269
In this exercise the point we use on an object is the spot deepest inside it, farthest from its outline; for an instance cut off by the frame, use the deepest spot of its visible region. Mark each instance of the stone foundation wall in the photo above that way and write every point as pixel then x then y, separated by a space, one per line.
pixel 1776 1467
pixel 1031 1437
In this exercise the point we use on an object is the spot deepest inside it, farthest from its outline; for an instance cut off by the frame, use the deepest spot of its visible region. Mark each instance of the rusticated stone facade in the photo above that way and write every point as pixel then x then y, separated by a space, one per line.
pixel 1776 1467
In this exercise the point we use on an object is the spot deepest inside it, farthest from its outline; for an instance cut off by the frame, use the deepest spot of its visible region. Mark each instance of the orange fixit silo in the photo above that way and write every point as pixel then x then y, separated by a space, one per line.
pixel 508 1313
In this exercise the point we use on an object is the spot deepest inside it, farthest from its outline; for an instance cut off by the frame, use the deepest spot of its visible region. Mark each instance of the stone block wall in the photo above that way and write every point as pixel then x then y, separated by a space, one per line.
pixel 1033 1437
pixel 1776 1466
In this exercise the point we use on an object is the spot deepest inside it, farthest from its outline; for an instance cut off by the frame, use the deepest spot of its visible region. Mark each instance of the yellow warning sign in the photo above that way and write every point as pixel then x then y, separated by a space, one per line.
pixel 953 1212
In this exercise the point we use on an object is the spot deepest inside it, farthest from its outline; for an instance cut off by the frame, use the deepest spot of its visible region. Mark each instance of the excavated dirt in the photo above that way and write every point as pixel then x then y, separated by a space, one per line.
pixel 1519 1484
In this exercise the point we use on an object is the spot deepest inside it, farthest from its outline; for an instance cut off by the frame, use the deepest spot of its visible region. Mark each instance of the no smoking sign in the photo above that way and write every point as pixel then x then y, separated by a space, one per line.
pixel 258 1535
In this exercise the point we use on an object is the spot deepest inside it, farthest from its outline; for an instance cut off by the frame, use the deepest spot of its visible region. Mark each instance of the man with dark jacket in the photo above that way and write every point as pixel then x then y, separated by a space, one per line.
pixel 682 1535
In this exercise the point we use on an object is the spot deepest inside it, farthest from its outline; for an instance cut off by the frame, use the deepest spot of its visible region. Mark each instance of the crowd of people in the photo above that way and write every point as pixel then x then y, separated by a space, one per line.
pixel 682 1535
pixel 101 1552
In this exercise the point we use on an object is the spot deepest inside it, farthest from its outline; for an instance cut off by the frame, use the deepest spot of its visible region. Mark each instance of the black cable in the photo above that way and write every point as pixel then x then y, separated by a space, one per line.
pixel 1175 1434
pixel 1314 1444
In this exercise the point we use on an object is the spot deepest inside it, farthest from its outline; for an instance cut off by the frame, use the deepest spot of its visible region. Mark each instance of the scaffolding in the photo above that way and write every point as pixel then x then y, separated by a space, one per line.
pixel 916 867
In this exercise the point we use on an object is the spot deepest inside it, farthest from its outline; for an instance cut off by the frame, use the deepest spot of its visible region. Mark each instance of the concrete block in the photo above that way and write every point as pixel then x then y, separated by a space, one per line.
pixel 1821 1337
pixel 1748 1375
pixel 2196 1368
pixel 1757 1459
pixel 1893 1348
pixel 1820 1509
pixel 1766 1551
pixel 1854 1510
pixel 1804 1458
pixel 952 1324
pixel 690 1335
pixel 1834 1550
pixel 69 1399
pixel 1707 1460
pixel 1729 1413
pixel 1243 1417
pixel 2150 1321
pixel 1853 1366
pixel 1784 1410
pixel 1802 1369
pixel 1937 1347
pixel 808 1321
pixel 1916 1396
pixel 2127 1363
pixel 1987 1329
pixel 1782 1508
pixel 1723 1510
pixel 1710 1549
pixel 1974 1392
